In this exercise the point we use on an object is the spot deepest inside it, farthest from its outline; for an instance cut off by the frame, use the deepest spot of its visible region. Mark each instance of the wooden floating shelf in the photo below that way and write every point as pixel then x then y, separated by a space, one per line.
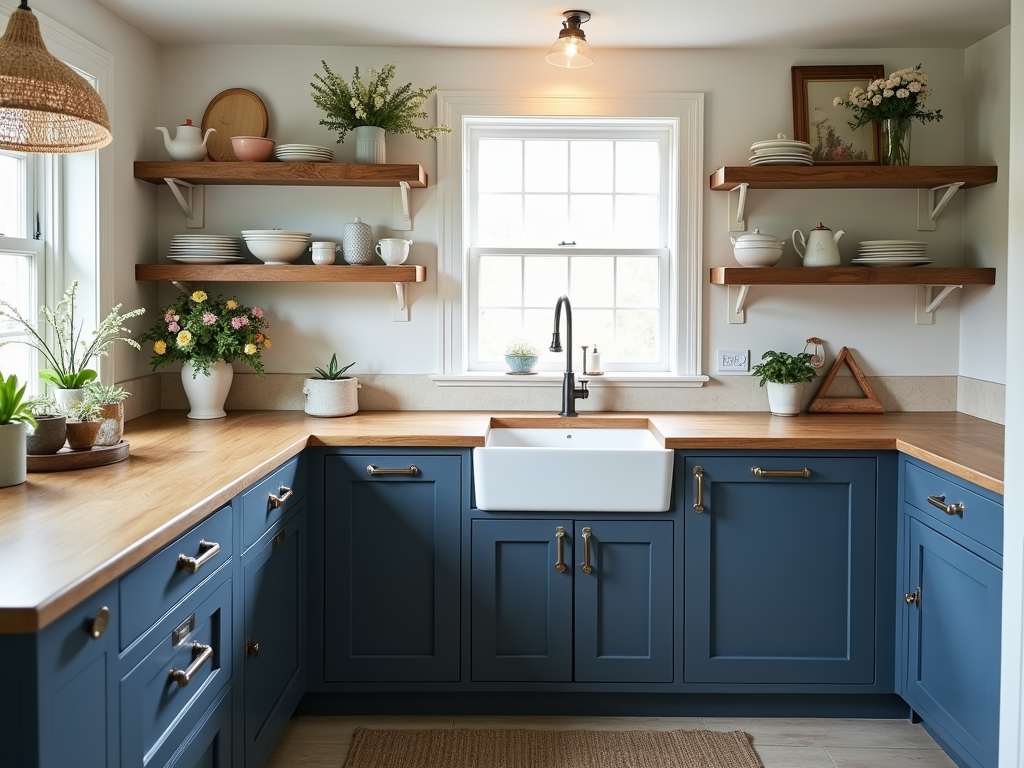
pixel 851 177
pixel 281 273
pixel 284 174
pixel 853 275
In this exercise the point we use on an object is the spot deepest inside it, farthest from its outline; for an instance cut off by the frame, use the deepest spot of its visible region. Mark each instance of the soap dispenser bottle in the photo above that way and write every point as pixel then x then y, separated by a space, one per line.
pixel 592 362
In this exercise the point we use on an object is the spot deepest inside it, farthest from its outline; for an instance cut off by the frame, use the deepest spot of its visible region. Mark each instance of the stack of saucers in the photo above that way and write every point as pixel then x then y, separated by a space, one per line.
pixel 781 151
pixel 205 249
pixel 303 153
pixel 892 253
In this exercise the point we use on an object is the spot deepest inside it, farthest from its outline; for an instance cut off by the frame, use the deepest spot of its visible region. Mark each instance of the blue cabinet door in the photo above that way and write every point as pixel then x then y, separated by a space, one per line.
pixel 952 665
pixel 275 620
pixel 624 602
pixel 522 600
pixel 779 572
pixel 209 743
pixel 392 568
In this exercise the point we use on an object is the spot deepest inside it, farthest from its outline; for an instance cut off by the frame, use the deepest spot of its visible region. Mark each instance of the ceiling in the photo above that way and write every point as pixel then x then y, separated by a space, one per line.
pixel 535 23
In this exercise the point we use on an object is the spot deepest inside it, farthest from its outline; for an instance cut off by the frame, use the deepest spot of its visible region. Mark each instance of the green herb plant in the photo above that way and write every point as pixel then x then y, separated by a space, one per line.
pixel 13 408
pixel 521 348
pixel 333 372
pixel 104 394
pixel 42 406
pixel 782 368
pixel 83 411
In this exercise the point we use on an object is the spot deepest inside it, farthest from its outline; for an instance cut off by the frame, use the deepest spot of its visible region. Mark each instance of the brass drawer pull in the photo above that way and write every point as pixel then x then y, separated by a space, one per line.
pixel 252 649
pixel 99 624
pixel 758 472
pixel 586 551
pixel 200 655
pixel 276 501
pixel 698 504
pixel 412 469
pixel 949 509
pixel 560 539
pixel 207 551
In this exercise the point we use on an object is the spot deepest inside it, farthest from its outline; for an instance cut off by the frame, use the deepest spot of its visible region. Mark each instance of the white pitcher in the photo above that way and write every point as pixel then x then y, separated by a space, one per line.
pixel 394 250
pixel 188 144
pixel 820 248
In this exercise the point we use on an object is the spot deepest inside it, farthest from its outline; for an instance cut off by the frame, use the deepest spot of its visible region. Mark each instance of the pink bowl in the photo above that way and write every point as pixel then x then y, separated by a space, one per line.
pixel 252 149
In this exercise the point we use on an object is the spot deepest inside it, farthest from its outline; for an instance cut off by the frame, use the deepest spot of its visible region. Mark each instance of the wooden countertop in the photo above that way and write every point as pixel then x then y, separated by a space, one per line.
pixel 63 535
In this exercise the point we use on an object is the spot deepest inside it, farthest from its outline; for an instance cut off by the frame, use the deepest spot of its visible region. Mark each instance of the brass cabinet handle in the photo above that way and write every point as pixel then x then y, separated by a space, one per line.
pixel 586 551
pixel 252 649
pixel 698 504
pixel 412 469
pixel 200 655
pixel 913 598
pixel 949 509
pixel 560 539
pixel 277 501
pixel 758 472
pixel 207 551
pixel 99 624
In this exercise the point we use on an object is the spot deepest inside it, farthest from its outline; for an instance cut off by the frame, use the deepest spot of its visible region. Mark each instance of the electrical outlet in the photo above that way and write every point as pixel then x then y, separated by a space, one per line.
pixel 734 361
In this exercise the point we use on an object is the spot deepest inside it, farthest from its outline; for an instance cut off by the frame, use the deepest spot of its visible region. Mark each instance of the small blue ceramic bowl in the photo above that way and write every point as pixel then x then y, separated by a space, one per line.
pixel 520 363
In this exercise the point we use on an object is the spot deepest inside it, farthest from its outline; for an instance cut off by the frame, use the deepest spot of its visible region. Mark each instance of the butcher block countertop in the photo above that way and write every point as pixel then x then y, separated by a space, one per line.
pixel 63 535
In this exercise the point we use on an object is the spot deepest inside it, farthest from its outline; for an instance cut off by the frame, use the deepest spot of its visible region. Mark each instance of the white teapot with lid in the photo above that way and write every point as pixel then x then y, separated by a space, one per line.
pixel 188 144
pixel 757 249
pixel 820 248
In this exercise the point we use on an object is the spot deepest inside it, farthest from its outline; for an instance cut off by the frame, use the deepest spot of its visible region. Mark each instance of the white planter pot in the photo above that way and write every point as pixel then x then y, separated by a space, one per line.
pixel 13 458
pixel 785 399
pixel 370 146
pixel 331 397
pixel 68 397
pixel 206 394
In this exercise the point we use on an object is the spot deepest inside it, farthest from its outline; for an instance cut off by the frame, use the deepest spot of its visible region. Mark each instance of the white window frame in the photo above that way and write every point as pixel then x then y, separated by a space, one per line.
pixel 685 111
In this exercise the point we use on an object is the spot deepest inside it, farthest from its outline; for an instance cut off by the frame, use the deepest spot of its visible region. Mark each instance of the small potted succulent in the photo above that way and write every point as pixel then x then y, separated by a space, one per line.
pixel 50 432
pixel 331 392
pixel 521 356
pixel 786 376
pixel 110 400
pixel 83 425
pixel 14 415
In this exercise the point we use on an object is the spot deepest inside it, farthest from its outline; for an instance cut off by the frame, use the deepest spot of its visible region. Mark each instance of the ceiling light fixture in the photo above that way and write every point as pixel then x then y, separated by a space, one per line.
pixel 45 106
pixel 571 49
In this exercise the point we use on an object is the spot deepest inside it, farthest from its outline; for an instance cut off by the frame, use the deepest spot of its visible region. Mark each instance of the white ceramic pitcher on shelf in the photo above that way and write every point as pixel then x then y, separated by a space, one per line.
pixel 820 248
pixel 188 144
pixel 393 250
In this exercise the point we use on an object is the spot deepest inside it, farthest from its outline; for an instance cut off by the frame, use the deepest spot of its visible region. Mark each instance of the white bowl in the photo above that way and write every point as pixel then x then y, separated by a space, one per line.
pixel 758 256
pixel 276 251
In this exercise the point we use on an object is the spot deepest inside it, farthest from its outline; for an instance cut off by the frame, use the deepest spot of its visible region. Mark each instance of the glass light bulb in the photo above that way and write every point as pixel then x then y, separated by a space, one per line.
pixel 570 47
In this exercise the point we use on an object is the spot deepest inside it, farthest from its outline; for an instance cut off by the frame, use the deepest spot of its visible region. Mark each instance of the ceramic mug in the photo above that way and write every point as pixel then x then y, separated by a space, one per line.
pixel 393 250
pixel 323 253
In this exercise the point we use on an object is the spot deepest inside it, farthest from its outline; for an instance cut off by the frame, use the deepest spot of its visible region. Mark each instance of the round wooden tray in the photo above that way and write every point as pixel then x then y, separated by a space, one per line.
pixel 66 458
pixel 234 112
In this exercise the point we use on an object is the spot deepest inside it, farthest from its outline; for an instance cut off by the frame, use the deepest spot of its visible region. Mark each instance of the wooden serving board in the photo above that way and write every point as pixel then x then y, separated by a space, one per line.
pixel 234 112
pixel 66 458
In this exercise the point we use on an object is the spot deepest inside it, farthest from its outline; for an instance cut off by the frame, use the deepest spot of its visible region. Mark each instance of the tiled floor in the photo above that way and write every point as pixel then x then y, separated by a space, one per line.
pixel 323 742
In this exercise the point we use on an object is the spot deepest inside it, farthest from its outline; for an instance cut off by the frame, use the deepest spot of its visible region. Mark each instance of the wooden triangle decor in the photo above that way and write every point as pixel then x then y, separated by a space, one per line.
pixel 867 404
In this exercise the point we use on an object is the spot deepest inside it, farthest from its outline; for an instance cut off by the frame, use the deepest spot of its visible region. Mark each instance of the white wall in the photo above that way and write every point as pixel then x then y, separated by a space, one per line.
pixel 748 98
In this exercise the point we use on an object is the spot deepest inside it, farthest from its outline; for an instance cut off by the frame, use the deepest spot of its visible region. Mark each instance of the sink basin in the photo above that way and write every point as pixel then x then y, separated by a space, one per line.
pixel 611 468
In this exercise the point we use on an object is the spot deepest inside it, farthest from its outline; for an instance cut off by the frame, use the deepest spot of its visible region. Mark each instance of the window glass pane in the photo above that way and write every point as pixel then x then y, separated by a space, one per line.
pixel 637 166
pixel 637 221
pixel 545 220
pixel 537 326
pixel 591 168
pixel 590 327
pixel 501 281
pixel 500 165
pixel 637 282
pixel 545 279
pixel 497 328
pixel 636 335
pixel 591 220
pixel 12 195
pixel 499 220
pixel 593 281
pixel 17 286
pixel 547 166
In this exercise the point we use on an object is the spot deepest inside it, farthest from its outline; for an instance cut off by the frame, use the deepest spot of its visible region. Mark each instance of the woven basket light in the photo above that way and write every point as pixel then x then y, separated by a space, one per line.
pixel 45 106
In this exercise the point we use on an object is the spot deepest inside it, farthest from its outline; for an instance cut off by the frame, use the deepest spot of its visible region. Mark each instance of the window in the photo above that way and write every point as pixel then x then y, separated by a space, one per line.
pixel 597 198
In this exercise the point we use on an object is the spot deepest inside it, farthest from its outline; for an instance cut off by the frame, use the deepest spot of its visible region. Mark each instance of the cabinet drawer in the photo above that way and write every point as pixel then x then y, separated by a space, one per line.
pixel 153 587
pixel 271 499
pixel 980 519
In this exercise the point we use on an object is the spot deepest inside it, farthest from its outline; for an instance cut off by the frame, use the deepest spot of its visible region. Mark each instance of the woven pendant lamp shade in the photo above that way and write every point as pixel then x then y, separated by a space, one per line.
pixel 45 106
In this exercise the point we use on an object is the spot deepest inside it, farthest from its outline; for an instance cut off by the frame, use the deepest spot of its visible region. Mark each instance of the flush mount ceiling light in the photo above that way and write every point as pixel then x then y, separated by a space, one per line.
pixel 45 106
pixel 571 49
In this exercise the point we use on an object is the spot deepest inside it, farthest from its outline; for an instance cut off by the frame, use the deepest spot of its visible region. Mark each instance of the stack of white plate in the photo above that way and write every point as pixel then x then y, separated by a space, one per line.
pixel 892 253
pixel 781 152
pixel 276 246
pixel 303 153
pixel 205 249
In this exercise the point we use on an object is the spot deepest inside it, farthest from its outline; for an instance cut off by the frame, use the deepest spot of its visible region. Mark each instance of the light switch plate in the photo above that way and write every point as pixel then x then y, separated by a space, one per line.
pixel 734 361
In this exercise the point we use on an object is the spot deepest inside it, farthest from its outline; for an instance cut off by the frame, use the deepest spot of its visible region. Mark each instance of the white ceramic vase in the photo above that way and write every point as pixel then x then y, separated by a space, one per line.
pixel 206 394
pixel 370 147
pixel 13 458
pixel 331 397
pixel 68 397
pixel 785 399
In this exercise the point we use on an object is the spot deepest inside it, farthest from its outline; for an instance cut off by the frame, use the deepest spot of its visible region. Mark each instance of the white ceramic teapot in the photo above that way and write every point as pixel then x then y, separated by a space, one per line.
pixel 820 248
pixel 188 144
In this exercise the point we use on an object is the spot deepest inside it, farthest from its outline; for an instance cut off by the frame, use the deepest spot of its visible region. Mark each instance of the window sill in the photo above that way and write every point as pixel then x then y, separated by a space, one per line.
pixel 554 379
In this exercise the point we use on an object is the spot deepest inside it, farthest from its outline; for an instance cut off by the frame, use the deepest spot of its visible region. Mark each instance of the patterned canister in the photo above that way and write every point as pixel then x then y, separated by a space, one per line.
pixel 357 243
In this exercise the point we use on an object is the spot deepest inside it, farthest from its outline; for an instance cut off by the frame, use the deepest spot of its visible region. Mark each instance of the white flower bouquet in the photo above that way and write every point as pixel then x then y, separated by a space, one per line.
pixel 900 96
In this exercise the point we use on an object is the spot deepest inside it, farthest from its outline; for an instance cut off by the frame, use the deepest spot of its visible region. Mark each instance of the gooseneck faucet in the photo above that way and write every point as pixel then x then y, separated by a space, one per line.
pixel 569 390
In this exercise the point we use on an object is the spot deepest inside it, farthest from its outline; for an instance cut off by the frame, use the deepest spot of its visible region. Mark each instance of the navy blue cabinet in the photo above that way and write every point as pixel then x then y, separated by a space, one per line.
pixel 949 607
pixel 560 600
pixel 780 569
pixel 391 568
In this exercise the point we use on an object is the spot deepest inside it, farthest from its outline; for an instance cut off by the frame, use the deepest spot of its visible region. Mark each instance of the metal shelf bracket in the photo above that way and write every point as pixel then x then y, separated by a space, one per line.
pixel 737 206
pixel 928 210
pixel 401 218
pixel 925 303
pixel 194 206
pixel 735 300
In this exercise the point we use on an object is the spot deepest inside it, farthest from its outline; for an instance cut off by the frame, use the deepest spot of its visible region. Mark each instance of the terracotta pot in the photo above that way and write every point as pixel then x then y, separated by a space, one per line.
pixel 111 424
pixel 48 437
pixel 82 434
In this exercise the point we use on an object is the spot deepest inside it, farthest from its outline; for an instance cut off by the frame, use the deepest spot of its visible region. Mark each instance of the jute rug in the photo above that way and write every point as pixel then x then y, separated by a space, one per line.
pixel 516 748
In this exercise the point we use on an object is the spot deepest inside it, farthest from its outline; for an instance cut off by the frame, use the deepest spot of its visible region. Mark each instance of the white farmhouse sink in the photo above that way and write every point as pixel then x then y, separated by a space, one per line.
pixel 595 469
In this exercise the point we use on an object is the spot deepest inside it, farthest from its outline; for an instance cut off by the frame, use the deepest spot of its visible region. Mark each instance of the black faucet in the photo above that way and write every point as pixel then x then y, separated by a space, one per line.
pixel 569 391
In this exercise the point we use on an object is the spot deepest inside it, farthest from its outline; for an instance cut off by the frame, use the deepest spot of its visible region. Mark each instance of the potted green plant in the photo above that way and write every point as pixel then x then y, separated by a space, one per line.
pixel 521 356
pixel 83 424
pixel 71 350
pixel 14 415
pixel 110 401
pixel 50 432
pixel 786 376
pixel 331 392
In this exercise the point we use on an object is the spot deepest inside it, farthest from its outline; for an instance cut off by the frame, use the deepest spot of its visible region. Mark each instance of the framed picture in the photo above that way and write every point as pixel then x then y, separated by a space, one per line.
pixel 824 126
